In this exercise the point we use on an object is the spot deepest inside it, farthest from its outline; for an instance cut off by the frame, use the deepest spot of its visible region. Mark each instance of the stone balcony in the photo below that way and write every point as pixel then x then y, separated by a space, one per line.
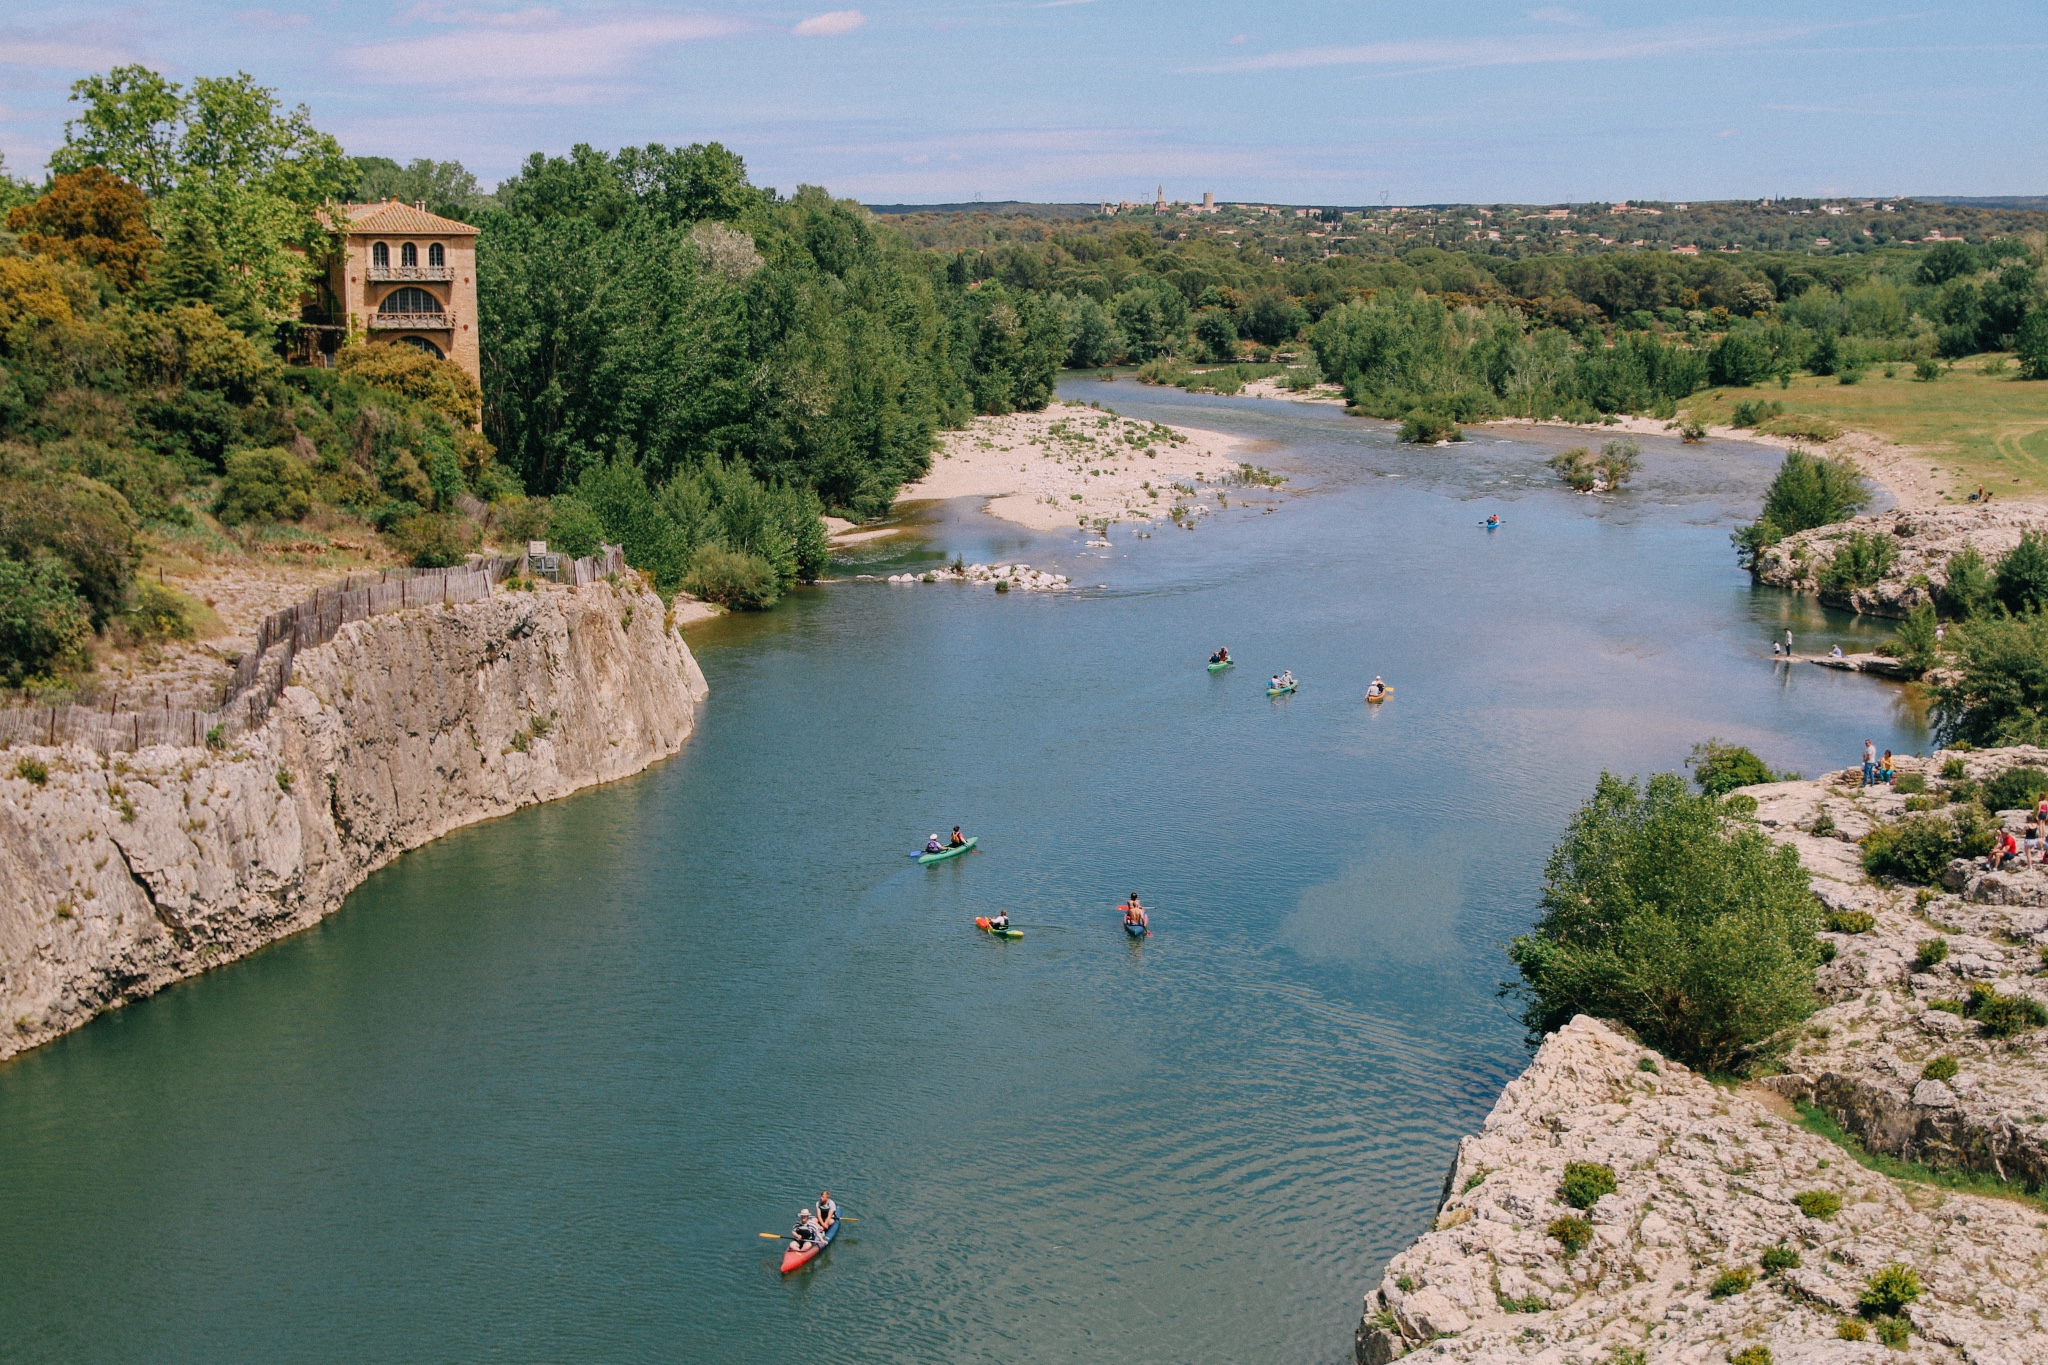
pixel 413 322
pixel 410 272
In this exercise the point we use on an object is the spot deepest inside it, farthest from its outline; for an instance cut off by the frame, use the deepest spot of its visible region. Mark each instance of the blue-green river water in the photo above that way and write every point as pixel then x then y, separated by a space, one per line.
pixel 533 1092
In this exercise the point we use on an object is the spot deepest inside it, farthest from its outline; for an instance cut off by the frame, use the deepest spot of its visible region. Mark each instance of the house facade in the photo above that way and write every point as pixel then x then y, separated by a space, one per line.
pixel 406 277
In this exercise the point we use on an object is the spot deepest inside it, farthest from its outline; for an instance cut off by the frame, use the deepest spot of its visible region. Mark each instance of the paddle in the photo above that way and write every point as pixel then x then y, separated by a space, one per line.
pixel 782 1236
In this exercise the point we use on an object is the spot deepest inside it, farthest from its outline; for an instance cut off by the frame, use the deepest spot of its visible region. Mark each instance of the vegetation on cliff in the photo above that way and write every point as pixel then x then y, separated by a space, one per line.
pixel 1673 914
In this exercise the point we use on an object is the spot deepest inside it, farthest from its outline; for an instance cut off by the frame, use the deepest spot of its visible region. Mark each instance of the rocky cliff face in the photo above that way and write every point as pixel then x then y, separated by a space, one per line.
pixel 1923 541
pixel 119 874
pixel 1705 1183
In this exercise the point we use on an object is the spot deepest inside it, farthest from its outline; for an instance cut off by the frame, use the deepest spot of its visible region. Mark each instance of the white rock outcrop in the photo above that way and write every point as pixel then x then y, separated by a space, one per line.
pixel 122 873
pixel 1922 542
pixel 1705 1183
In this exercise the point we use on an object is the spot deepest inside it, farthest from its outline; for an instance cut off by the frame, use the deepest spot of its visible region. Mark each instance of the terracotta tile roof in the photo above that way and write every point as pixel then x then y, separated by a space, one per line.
pixel 395 217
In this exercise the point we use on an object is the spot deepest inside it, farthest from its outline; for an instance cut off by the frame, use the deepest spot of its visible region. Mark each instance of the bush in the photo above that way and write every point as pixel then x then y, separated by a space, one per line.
pixel 1809 491
pixel 1852 1329
pixel 160 614
pixel 1753 412
pixel 735 579
pixel 440 384
pixel 1909 784
pixel 1916 849
pixel 1850 921
pixel 1942 1068
pixel 1818 1203
pixel 2021 581
pixel 2015 789
pixel 1779 1258
pixel 1894 1332
pixel 2001 1016
pixel 1720 767
pixel 1932 952
pixel 432 540
pixel 1860 560
pixel 1887 1292
pixel 1575 467
pixel 1954 770
pixel 1927 370
pixel 265 485
pixel 1573 1233
pixel 1661 913
pixel 1421 427
pixel 44 624
pixel 32 771
pixel 1731 1282
pixel 1584 1183
pixel 1967 584
pixel 1751 1355
pixel 2030 343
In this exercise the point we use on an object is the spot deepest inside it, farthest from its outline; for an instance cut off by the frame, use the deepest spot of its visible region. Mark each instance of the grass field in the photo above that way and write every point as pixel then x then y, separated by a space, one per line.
pixel 1993 428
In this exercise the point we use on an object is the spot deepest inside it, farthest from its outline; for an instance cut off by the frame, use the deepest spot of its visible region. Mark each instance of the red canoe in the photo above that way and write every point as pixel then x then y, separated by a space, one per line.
pixel 793 1260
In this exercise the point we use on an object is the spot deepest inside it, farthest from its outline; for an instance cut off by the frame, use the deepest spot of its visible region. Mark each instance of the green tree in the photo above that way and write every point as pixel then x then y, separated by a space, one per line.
pixel 1720 767
pixel 265 485
pixel 2030 343
pixel 1150 318
pixel 44 627
pixel 129 125
pixel 445 187
pixel 1997 690
pixel 2021 583
pixel 1666 912
pixel 1216 333
pixel 1809 491
pixel 1967 586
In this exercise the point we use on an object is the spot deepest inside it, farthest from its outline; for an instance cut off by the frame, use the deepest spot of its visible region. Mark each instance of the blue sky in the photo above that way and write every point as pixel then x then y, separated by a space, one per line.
pixel 1080 100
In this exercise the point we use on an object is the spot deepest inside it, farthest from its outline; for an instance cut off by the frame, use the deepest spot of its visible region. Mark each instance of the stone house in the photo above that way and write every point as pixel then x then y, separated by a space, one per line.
pixel 404 277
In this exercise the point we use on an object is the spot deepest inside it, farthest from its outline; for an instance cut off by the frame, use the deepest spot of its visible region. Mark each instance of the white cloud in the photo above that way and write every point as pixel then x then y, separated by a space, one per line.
pixel 434 12
pixel 830 24
pixel 62 54
pixel 539 54
pixel 1557 14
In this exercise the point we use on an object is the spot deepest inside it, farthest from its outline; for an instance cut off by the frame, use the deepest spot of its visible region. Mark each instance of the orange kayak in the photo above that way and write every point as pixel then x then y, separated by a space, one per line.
pixel 793 1260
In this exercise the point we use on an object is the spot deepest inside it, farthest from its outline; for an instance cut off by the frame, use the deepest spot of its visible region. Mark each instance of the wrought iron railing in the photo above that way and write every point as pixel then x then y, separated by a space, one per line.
pixel 443 321
pixel 411 272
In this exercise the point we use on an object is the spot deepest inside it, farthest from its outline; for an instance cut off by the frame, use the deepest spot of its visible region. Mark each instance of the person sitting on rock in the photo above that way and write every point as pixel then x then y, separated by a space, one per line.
pixel 2003 847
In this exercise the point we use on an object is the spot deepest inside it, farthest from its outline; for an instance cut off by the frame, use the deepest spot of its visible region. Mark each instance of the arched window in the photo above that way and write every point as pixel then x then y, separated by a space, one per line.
pixel 408 254
pixel 422 344
pixel 435 256
pixel 380 256
pixel 409 300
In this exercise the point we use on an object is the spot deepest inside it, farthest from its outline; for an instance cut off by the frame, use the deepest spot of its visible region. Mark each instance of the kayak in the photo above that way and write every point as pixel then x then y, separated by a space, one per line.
pixel 1218 668
pixel 1384 694
pixel 792 1260
pixel 1281 691
pixel 981 922
pixel 946 853
pixel 1136 930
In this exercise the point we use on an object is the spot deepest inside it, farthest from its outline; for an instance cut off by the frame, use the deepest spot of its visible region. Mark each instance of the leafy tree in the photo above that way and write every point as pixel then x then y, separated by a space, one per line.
pixel 445 187
pixel 1997 691
pixel 1151 319
pixel 129 125
pixel 1741 358
pixel 1271 317
pixel 1809 491
pixel 2030 343
pixel 1720 767
pixel 265 485
pixel 44 627
pixel 1967 586
pixel 441 384
pixel 1217 334
pixel 1091 336
pixel 1946 261
pixel 81 523
pixel 2021 583
pixel 1665 912
pixel 95 218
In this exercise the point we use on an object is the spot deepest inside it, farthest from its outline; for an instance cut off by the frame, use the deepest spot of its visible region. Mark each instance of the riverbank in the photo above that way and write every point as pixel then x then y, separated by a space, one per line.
pixel 128 872
pixel 1077 464
pixel 1707 1177
pixel 1920 543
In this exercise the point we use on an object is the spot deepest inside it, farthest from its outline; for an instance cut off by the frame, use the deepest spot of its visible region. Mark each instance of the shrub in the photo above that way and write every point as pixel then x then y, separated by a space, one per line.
pixel 1585 1182
pixel 1572 1233
pixel 1967 584
pixel 1646 1064
pixel 1942 1068
pixel 2020 582
pixel 432 540
pixel 1927 369
pixel 1575 467
pixel 441 384
pixel 160 614
pixel 1909 784
pixel 1720 767
pixel 1619 461
pixel 1809 491
pixel 1852 1329
pixel 1779 1258
pixel 1860 560
pixel 265 485
pixel 1916 849
pixel 44 624
pixel 1954 770
pixel 1850 921
pixel 1695 931
pixel 1818 1203
pixel 2001 1016
pixel 1692 431
pixel 1731 1282
pixel 2015 789
pixel 1422 427
pixel 32 771
pixel 1889 1290
pixel 1932 951
pixel 1894 1332
pixel 735 579
pixel 1751 412
pixel 1751 1355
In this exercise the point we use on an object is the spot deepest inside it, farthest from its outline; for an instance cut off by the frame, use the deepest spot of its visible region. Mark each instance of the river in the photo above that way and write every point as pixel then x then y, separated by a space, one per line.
pixel 532 1094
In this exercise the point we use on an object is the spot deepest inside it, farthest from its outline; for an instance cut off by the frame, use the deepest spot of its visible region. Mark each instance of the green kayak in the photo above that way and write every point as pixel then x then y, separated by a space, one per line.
pixel 1281 691
pixel 944 854
pixel 1218 668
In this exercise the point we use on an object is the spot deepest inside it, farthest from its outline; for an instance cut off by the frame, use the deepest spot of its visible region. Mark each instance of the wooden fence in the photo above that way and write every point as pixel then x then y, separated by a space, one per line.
pixel 262 674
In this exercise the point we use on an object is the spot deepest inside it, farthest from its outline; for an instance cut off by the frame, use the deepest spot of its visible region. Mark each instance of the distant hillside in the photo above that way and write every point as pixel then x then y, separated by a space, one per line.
pixel 1008 208
pixel 2034 203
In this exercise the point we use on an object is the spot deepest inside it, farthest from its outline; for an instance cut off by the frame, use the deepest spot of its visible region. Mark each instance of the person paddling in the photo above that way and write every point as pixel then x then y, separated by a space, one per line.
pixel 999 921
pixel 932 845
pixel 1378 688
pixel 1221 656
pixel 1134 913
pixel 806 1232
pixel 957 841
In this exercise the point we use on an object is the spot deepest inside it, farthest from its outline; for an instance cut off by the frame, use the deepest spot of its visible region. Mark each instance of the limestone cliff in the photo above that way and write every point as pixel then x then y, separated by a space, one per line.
pixel 120 874
pixel 1921 543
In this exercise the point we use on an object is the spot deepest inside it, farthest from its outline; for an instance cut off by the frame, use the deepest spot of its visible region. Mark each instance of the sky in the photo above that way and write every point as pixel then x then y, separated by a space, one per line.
pixel 1078 101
